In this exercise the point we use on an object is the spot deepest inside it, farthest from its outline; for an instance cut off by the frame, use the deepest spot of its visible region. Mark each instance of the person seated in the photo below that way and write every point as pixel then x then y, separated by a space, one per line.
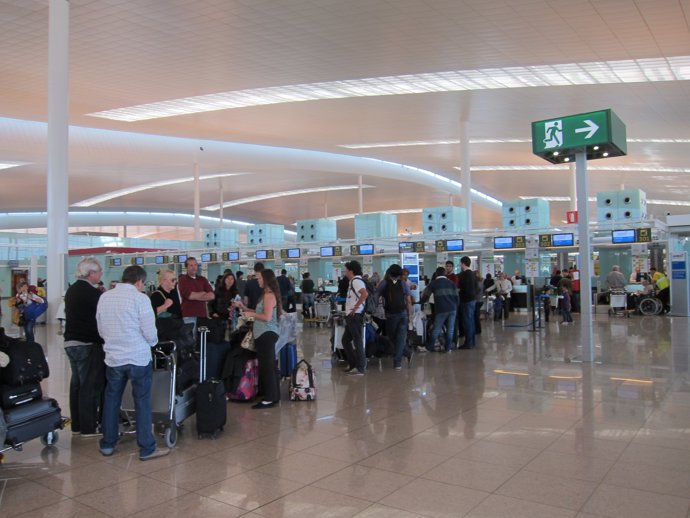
pixel 615 280
pixel 634 298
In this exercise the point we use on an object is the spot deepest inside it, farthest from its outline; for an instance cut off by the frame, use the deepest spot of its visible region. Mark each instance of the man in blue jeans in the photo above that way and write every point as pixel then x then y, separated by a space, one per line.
pixel 445 307
pixel 397 302
pixel 127 325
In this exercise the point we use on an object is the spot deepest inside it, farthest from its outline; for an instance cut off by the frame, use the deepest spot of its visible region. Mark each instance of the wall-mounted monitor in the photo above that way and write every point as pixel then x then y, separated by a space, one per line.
pixel 290 253
pixel 264 254
pixel 326 251
pixel 622 236
pixel 231 256
pixel 162 259
pixel 179 259
pixel 563 239
pixel 366 249
pixel 503 242
pixel 455 245
pixel 139 261
pixel 116 261
pixel 209 257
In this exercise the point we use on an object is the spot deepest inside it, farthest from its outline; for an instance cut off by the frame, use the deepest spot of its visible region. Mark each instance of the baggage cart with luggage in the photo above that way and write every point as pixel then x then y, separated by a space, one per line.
pixel 170 404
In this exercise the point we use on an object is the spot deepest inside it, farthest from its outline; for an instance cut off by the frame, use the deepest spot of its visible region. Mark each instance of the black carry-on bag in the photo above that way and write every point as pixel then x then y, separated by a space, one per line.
pixel 211 405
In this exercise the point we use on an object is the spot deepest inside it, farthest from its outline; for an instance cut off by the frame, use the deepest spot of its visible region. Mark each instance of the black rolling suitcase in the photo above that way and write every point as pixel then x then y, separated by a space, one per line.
pixel 15 396
pixel 38 418
pixel 211 405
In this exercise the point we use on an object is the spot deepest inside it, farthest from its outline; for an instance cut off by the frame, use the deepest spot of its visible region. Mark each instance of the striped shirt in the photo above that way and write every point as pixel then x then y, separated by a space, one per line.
pixel 127 324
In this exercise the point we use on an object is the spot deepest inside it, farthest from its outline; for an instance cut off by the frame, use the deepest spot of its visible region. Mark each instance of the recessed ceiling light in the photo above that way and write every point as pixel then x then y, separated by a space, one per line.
pixel 568 74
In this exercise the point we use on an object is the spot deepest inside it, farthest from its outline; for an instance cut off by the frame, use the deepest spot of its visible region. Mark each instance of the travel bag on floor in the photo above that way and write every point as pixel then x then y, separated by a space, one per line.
pixel 288 359
pixel 248 384
pixel 211 405
pixel 302 385
pixel 32 420
pixel 27 363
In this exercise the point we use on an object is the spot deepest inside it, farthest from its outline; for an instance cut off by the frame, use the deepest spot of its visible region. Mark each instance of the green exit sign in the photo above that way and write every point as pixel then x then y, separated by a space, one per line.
pixel 600 134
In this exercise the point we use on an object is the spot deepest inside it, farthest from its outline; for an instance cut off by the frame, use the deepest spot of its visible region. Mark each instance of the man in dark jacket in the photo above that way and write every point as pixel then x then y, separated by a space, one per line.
pixel 397 302
pixel 84 348
pixel 468 300
pixel 445 307
pixel 252 290
pixel 285 288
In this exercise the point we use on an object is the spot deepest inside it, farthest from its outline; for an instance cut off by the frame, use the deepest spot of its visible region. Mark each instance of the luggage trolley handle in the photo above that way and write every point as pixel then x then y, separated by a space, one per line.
pixel 203 333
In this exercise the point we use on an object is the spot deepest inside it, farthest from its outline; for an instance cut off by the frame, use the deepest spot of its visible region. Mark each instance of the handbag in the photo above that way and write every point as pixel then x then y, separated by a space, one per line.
pixel 248 341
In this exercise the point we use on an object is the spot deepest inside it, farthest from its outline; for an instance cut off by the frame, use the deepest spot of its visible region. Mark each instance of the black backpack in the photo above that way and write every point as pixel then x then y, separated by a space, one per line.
pixel 371 303
pixel 394 297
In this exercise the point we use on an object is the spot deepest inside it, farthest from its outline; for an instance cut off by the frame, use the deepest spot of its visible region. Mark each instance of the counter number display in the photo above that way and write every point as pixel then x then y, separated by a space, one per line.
pixel 407 247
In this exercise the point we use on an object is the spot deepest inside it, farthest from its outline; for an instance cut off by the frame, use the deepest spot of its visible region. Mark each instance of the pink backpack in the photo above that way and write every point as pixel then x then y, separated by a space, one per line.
pixel 249 383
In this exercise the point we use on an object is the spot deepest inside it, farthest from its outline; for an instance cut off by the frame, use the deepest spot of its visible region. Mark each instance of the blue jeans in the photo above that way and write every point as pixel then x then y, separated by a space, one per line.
pixel 140 379
pixel 467 309
pixel 86 386
pixel 441 319
pixel 29 326
pixel 190 320
pixel 396 330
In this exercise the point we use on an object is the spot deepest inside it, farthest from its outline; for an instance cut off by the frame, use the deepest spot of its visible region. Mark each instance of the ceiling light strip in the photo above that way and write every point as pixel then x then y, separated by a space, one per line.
pixel 269 196
pixel 605 72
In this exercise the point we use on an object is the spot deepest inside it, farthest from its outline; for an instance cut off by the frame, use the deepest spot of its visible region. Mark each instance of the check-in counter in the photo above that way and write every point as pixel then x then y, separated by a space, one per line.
pixel 518 297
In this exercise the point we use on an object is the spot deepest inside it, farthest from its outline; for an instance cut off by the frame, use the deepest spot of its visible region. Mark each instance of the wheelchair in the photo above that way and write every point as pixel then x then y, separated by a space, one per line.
pixel 650 305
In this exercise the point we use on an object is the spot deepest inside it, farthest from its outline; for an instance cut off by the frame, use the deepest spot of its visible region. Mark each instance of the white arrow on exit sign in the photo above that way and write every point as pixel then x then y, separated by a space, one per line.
pixel 591 128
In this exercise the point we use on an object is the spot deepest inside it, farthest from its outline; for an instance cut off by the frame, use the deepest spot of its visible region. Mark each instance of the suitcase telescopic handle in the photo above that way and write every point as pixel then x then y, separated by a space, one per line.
pixel 203 332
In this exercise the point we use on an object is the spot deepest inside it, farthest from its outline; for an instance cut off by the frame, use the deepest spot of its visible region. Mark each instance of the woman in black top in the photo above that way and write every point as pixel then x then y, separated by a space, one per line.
pixel 166 300
pixel 225 294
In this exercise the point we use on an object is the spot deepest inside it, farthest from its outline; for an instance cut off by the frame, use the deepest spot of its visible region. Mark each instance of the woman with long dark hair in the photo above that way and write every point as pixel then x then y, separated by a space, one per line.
pixel 225 294
pixel 266 328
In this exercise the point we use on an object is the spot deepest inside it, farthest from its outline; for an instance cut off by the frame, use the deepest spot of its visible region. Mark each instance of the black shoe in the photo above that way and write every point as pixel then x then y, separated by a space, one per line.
pixel 264 404
pixel 465 347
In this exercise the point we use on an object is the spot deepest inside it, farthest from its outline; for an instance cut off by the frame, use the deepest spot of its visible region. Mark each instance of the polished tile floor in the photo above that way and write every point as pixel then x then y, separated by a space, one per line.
pixel 521 428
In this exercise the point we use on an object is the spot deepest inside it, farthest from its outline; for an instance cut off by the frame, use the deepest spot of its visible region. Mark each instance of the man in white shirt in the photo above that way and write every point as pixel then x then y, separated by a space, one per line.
pixel 126 323
pixel 502 287
pixel 354 320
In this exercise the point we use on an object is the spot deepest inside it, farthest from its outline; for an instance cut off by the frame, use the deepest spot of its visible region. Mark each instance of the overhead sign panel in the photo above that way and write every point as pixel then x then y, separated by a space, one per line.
pixel 600 134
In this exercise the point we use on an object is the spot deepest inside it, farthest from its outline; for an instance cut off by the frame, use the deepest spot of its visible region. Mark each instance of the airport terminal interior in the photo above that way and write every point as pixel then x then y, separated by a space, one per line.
pixel 529 135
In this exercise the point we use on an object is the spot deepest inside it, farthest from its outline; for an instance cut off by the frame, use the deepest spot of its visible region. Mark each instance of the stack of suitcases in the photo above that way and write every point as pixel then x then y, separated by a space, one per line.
pixel 26 413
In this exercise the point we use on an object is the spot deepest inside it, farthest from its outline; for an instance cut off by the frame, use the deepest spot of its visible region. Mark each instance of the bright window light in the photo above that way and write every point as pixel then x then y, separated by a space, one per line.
pixel 261 197
pixel 605 72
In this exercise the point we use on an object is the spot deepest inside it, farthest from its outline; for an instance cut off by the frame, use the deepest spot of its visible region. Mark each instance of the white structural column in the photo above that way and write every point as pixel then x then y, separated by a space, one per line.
pixel 585 258
pixel 573 187
pixel 465 174
pixel 58 146
pixel 360 196
pixel 197 204
pixel 220 213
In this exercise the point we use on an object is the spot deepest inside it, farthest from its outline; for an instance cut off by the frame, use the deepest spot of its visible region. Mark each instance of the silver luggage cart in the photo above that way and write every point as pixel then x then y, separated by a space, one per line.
pixel 323 312
pixel 618 304
pixel 169 407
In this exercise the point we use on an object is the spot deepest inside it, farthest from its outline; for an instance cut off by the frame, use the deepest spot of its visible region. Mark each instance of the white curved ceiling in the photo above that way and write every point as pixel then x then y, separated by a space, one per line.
pixel 126 53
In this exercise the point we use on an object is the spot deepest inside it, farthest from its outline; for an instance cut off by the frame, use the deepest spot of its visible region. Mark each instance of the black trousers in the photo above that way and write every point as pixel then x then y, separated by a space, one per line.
pixel 265 346
pixel 86 386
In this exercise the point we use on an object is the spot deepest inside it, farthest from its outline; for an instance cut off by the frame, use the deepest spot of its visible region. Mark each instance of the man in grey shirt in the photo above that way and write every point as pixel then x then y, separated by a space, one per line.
pixel 615 280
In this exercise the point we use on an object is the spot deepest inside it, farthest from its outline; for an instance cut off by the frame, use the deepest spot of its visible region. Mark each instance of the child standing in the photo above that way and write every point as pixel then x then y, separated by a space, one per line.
pixel 566 306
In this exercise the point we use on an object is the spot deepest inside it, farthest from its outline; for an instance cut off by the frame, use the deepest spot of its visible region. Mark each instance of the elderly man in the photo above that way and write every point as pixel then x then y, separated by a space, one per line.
pixel 502 287
pixel 84 348
pixel 615 280
pixel 195 292
pixel 127 324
